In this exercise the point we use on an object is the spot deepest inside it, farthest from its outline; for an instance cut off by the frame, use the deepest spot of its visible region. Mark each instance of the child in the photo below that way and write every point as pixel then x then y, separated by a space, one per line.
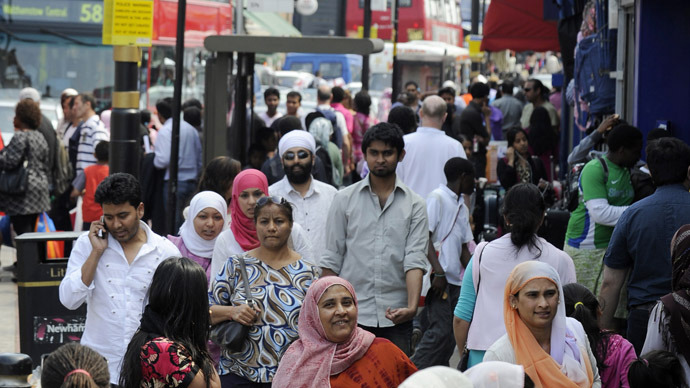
pixel 656 369
pixel 85 184
pixel 613 352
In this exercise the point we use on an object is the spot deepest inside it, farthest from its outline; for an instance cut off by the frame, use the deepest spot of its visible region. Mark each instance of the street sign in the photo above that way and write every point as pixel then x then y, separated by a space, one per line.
pixel 279 6
pixel 474 43
pixel 128 22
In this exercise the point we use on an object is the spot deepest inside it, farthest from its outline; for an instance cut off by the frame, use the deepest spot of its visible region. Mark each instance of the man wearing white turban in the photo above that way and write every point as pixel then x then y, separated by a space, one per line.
pixel 311 198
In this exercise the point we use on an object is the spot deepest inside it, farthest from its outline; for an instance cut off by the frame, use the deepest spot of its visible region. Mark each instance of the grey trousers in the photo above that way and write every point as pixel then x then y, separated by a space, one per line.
pixel 438 343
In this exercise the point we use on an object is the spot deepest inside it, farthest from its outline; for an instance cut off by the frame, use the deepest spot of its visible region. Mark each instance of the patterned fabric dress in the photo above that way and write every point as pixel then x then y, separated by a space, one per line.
pixel 165 363
pixel 278 293
pixel 32 146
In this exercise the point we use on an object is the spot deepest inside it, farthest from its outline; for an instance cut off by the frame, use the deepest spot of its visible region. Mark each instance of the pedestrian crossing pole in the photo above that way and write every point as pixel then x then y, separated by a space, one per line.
pixel 125 152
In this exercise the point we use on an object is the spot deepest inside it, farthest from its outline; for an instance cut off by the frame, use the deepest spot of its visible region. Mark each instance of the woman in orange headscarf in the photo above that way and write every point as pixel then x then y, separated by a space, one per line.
pixel 553 349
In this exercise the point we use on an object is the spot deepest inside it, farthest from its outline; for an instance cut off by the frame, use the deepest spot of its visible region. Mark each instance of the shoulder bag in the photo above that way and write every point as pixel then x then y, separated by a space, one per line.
pixel 230 335
pixel 14 182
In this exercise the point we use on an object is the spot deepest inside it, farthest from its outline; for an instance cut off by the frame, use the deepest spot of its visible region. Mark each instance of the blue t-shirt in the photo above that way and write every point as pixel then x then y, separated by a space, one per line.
pixel 641 241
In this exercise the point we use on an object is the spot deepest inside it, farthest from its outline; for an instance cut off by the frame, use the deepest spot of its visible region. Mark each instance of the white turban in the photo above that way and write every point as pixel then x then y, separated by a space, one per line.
pixel 297 138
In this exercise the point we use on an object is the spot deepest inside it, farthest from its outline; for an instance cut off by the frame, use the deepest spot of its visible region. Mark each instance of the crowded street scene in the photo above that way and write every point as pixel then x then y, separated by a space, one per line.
pixel 344 193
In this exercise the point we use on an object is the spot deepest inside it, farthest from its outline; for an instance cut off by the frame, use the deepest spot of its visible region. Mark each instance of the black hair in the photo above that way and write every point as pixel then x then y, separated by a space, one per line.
pixel 312 116
pixel 271 92
pixel 71 101
pixel 363 102
pixel 192 102
pixel 408 83
pixel 294 93
pixel 389 134
pixel 102 151
pixel 28 113
pixel 323 94
pixel 218 175
pixel 512 134
pixel 463 138
pixel 539 85
pixel 507 87
pixel 524 207
pixel 164 107
pixel 72 356
pixel 265 133
pixel 582 305
pixel 656 369
pixel 88 97
pixel 284 205
pixel 286 124
pixel 410 97
pixel 256 147
pixel 623 136
pixel 479 90
pixel 184 317
pixel 145 116
pixel 668 160
pixel 338 94
pixel 117 189
pixel 192 115
pixel 657 133
pixel 457 167
pixel 446 90
pixel 404 117
pixel 541 136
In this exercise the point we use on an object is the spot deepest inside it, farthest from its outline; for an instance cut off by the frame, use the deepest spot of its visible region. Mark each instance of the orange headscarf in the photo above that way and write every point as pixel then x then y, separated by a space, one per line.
pixel 541 367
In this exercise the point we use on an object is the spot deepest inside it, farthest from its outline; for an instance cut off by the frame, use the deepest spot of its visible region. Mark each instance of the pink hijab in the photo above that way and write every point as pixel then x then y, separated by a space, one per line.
pixel 243 227
pixel 312 359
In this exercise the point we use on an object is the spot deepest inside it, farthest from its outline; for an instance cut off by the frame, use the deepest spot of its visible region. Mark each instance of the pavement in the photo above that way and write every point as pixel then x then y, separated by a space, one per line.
pixel 9 319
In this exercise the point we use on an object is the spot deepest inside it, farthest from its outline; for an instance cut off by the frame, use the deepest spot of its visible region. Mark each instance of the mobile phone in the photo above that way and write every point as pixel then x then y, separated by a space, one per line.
pixel 103 233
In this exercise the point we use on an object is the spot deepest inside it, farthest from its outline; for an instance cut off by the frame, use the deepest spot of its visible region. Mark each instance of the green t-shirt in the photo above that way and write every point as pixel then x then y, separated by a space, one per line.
pixel 617 190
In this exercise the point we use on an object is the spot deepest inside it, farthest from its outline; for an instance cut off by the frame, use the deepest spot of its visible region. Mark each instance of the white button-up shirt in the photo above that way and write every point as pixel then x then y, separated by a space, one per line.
pixel 448 216
pixel 117 295
pixel 310 211
pixel 426 152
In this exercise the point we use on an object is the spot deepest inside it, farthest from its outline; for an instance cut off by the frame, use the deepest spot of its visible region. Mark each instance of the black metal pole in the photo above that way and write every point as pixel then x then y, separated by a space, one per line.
pixel 125 118
pixel 177 102
pixel 366 34
pixel 397 82
pixel 239 119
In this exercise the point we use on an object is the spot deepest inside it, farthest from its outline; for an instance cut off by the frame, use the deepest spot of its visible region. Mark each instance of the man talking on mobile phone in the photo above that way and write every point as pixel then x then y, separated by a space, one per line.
pixel 112 273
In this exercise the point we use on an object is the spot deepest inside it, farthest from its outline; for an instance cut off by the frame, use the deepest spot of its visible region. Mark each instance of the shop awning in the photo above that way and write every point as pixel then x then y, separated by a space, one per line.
pixel 268 24
pixel 518 25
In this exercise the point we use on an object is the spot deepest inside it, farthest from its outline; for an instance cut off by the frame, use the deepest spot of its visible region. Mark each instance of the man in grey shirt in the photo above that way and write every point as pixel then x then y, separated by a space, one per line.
pixel 377 238
pixel 510 106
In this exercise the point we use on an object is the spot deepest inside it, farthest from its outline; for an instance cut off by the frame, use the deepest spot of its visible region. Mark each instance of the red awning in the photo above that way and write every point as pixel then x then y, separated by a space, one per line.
pixel 518 25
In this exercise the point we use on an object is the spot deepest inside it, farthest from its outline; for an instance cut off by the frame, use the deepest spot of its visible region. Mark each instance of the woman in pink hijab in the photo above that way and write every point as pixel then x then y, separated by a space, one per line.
pixel 332 351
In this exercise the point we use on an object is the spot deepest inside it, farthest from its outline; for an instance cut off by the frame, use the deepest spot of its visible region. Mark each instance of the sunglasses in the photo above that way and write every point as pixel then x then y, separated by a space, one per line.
pixel 272 198
pixel 290 155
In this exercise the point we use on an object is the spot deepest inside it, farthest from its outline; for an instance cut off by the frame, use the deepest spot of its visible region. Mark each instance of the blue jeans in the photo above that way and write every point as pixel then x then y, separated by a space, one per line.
pixel 637 327
pixel 185 190
pixel 437 344
pixel 400 335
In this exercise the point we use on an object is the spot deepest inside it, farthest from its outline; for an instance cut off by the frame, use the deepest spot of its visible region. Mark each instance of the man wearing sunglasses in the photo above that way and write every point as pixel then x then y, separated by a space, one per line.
pixel 536 94
pixel 311 198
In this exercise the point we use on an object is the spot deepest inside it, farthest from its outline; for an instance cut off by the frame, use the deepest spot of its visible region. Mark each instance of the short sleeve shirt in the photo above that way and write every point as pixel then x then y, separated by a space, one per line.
pixel 165 363
pixel 583 232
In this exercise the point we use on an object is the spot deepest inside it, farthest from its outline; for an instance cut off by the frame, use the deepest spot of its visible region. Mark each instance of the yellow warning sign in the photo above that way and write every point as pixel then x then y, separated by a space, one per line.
pixel 128 22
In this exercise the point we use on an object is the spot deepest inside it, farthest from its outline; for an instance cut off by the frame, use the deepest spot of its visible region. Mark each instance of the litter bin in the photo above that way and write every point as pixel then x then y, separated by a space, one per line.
pixel 44 323
pixel 15 369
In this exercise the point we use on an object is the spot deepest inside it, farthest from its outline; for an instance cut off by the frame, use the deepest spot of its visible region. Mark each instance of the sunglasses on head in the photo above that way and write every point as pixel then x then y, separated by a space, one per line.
pixel 272 198
pixel 290 155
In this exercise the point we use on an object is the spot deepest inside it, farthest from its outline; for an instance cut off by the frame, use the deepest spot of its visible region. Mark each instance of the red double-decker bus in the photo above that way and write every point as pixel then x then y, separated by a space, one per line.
pixel 56 44
pixel 437 20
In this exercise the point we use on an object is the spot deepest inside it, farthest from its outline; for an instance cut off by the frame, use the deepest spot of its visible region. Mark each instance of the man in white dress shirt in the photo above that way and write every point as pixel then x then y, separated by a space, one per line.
pixel 112 273
pixel 311 199
pixel 428 150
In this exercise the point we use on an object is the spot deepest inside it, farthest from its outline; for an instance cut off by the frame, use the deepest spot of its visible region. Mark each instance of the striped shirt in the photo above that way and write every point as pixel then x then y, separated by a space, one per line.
pixel 92 132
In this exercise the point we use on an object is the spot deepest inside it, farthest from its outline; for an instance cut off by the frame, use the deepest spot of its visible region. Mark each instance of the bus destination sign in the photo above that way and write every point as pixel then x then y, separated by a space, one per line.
pixel 65 11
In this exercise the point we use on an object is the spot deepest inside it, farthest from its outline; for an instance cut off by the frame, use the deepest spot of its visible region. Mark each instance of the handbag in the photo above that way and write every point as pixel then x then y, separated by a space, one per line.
pixel 230 335
pixel 14 182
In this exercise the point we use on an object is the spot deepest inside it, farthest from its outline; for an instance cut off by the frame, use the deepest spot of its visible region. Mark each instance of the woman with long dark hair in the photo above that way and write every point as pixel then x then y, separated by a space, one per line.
pixel 478 318
pixel 612 352
pixel 518 165
pixel 169 349
pixel 542 138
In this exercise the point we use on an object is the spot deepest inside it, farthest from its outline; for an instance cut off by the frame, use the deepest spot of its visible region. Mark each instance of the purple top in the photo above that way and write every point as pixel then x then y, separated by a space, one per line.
pixel 204 262
pixel 619 355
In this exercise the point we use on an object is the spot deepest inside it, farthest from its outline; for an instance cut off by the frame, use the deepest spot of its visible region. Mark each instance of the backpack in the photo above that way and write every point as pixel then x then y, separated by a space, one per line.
pixel 337 137
pixel 62 169
pixel 573 183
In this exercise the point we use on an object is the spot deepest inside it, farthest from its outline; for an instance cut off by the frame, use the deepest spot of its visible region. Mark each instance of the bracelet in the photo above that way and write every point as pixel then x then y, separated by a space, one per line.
pixel 440 275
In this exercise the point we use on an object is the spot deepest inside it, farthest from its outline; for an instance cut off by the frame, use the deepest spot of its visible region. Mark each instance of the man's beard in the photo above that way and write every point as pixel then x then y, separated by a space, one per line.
pixel 384 173
pixel 298 175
